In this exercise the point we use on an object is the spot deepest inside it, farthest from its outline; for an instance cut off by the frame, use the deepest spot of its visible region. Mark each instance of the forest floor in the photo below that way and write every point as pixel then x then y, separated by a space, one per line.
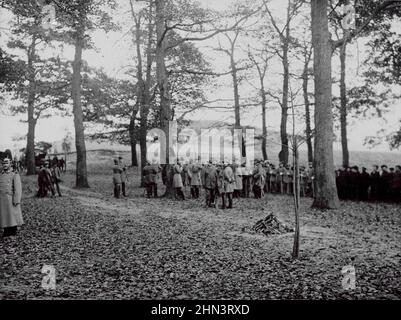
pixel 139 248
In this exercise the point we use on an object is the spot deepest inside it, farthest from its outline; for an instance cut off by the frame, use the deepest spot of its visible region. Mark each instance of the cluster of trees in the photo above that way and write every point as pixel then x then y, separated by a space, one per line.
pixel 170 73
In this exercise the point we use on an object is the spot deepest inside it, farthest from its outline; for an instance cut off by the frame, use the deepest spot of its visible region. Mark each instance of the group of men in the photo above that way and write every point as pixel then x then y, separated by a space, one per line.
pixel 378 185
pixel 120 178
pixel 226 181
pixel 49 177
pixel 235 180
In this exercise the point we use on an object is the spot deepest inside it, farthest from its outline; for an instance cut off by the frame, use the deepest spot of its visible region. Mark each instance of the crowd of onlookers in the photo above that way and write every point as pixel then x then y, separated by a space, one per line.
pixel 238 180
pixel 382 184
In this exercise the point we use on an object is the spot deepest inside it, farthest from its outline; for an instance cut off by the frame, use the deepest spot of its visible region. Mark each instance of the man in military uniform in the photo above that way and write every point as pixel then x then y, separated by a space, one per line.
pixel 117 179
pixel 210 182
pixel 10 200
pixel 177 181
pixel 246 180
pixel 375 184
pixel 228 183
pixel 364 182
pixel 55 179
pixel 384 183
pixel 150 179
pixel 194 170
pixel 258 180
pixel 124 176
pixel 397 184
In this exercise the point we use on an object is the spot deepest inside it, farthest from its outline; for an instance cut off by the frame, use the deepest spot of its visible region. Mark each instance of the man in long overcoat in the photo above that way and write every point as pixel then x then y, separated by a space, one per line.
pixel 10 200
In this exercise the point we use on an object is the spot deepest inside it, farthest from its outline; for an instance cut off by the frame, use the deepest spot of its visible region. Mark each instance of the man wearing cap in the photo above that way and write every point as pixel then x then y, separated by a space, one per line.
pixel 10 200
pixel 228 186
pixel 117 179
pixel 210 182
pixel 124 177
pixel 194 170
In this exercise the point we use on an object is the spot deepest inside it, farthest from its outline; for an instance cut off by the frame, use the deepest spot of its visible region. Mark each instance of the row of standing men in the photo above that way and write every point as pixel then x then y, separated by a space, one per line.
pixel 227 181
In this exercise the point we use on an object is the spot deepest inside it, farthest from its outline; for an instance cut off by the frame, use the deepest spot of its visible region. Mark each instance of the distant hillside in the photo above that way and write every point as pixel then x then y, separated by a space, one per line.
pixel 359 158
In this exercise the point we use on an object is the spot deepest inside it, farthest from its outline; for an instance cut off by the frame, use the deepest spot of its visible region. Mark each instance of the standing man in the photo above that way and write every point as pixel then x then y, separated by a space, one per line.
pixel 374 184
pixel 238 180
pixel 246 180
pixel 194 171
pixel 177 181
pixel 228 186
pixel 364 182
pixel 384 183
pixel 55 178
pixel 117 179
pixel 210 182
pixel 10 200
pixel 397 184
pixel 124 176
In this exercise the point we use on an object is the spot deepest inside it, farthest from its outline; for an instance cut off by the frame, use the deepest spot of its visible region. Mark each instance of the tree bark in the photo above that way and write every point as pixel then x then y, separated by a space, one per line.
pixel 343 106
pixel 308 131
pixel 30 145
pixel 81 168
pixel 264 126
pixel 132 136
pixel 283 155
pixel 325 196
pixel 162 83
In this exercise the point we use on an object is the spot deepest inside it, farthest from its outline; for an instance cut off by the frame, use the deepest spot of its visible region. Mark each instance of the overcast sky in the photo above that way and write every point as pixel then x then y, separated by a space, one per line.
pixel 114 54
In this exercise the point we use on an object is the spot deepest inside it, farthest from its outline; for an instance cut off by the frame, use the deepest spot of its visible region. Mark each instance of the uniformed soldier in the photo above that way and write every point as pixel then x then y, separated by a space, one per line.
pixel 397 184
pixel 311 180
pixel 56 178
pixel 124 176
pixel 117 179
pixel 246 180
pixel 194 171
pixel 302 181
pixel 238 180
pixel 384 183
pixel 44 181
pixel 375 184
pixel 258 180
pixel 177 181
pixel 10 200
pixel 364 182
pixel 210 183
pixel 272 179
pixel 228 183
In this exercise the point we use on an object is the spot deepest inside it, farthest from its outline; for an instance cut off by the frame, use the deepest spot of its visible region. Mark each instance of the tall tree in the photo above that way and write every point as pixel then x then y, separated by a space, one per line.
pixel 326 193
pixel 284 35
pixel 261 63
pixel 42 83
pixel 325 187
pixel 82 16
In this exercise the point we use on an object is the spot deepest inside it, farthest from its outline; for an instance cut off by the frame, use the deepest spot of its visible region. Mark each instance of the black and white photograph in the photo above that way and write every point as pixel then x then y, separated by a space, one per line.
pixel 200 154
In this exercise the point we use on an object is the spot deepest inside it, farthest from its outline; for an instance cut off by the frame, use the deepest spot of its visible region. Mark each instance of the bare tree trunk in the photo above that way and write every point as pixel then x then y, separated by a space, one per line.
pixel 81 168
pixel 264 126
pixel 343 107
pixel 308 131
pixel 132 135
pixel 30 145
pixel 162 83
pixel 295 249
pixel 283 155
pixel 325 196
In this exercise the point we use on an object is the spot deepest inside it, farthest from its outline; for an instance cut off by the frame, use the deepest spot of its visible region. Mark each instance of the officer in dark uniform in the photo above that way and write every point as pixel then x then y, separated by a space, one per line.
pixel 384 183
pixel 374 184
pixel 397 184
pixel 364 182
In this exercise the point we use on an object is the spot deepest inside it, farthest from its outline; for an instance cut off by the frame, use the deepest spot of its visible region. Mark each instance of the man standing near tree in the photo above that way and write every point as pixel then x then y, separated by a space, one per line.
pixel 124 176
pixel 10 200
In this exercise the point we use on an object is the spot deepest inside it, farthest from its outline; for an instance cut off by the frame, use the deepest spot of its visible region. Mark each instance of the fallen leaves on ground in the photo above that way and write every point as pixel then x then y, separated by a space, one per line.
pixel 139 248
